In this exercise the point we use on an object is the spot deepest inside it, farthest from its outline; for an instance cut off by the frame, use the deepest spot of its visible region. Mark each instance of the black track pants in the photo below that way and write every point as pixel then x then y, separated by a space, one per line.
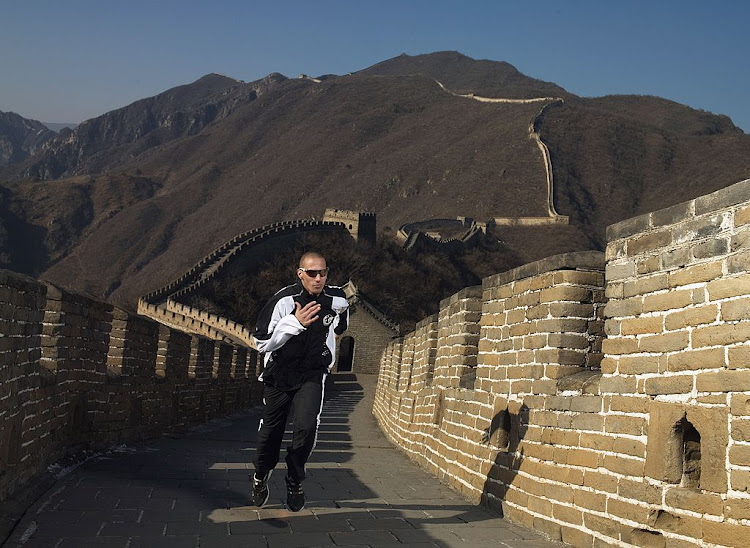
pixel 305 404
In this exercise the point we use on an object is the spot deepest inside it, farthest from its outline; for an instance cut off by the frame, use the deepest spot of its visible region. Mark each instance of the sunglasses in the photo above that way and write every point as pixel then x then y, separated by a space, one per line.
pixel 315 273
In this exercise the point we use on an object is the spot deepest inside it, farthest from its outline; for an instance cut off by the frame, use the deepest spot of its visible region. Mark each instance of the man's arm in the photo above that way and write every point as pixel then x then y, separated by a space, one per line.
pixel 281 327
pixel 342 324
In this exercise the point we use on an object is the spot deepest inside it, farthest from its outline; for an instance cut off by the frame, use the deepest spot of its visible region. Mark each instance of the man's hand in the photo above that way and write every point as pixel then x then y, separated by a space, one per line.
pixel 307 314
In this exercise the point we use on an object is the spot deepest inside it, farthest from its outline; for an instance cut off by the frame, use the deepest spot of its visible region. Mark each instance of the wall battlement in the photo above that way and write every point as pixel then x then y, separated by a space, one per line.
pixel 78 373
pixel 604 400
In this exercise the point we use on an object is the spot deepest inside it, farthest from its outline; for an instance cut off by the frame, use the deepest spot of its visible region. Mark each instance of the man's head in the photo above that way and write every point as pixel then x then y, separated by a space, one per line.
pixel 312 272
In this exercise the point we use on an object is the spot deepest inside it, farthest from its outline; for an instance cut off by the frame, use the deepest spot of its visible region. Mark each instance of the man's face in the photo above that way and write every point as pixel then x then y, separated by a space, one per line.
pixel 312 281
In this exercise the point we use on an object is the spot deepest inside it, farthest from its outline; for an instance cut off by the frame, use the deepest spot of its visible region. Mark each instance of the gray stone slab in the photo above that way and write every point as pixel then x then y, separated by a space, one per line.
pixel 261 527
pixel 362 537
pixel 234 541
pixel 300 540
pixel 153 529
pixel 78 542
pixel 385 524
pixel 360 491
pixel 326 523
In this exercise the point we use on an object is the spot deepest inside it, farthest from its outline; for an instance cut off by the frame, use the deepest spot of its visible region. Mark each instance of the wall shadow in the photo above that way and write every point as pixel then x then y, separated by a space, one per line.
pixel 193 489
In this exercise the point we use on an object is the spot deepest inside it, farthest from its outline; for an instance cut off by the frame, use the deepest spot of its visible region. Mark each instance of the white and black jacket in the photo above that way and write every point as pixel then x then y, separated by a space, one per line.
pixel 295 354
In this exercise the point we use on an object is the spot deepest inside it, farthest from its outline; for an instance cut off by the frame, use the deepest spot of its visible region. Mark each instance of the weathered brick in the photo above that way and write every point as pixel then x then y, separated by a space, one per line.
pixel 633 511
pixel 672 215
pixel 740 480
pixel 681 384
pixel 742 216
pixel 622 424
pixel 620 271
pixel 590 500
pixel 630 447
pixel 722 198
pixel 725 288
pixel 638 365
pixel 629 404
pixel 691 317
pixel 649 242
pixel 723 381
pixel 645 284
pixel 737 508
pixel 723 334
pixel 623 465
pixel 617 385
pixel 725 534
pixel 676 523
pixel 566 293
pixel 608 366
pixel 695 274
pixel 711 358
pixel 739 357
pixel 712 248
pixel 741 430
pixel 735 310
pixel 740 404
pixel 666 342
pixel 738 263
pixel 694 501
pixel 676 258
pixel 641 325
pixel 628 227
pixel 647 265
pixel 623 308
pixel 606 526
pixel 619 346
pixel 668 301
pixel 740 455
pixel 740 242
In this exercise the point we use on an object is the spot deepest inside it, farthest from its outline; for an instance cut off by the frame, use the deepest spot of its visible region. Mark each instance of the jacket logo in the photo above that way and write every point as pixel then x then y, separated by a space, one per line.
pixel 328 319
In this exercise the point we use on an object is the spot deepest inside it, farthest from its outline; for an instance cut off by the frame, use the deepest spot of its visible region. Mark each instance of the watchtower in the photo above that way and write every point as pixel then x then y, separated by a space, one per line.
pixel 361 226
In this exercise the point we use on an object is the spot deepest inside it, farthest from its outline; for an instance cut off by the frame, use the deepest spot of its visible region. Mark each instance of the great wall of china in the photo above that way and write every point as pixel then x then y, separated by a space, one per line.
pixel 601 398
pixel 80 374
pixel 553 217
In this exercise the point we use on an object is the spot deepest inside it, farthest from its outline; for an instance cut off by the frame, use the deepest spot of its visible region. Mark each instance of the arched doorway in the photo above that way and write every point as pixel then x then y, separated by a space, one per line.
pixel 346 354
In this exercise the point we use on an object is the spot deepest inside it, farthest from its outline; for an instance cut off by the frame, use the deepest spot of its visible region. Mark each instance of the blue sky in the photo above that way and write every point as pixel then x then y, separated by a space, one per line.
pixel 66 61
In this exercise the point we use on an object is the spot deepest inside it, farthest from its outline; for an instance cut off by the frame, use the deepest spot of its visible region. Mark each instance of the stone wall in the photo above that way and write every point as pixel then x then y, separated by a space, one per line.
pixel 77 373
pixel 369 337
pixel 617 424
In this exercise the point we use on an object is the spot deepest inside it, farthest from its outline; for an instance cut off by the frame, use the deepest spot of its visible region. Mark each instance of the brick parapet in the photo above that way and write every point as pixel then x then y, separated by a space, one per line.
pixel 458 339
pixel 77 373
pixel 592 398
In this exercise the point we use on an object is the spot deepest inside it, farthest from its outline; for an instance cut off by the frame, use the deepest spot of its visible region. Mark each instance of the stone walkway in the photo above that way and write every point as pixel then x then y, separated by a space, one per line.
pixel 193 491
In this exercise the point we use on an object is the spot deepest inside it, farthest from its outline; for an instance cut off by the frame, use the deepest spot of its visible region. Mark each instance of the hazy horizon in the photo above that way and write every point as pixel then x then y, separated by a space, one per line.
pixel 68 62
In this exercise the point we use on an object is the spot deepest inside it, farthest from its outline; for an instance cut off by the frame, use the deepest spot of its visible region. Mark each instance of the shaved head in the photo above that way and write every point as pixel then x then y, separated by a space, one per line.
pixel 310 255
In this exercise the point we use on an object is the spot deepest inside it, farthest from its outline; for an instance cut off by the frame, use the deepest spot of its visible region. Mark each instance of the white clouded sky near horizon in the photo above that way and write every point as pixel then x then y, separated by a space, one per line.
pixel 73 60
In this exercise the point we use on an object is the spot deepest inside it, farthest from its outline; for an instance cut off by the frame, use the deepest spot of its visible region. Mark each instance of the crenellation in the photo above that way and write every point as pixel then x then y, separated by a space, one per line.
pixel 79 373
pixel 619 406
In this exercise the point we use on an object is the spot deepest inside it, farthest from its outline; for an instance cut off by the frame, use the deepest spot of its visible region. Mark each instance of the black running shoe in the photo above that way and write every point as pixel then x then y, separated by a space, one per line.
pixel 260 489
pixel 295 496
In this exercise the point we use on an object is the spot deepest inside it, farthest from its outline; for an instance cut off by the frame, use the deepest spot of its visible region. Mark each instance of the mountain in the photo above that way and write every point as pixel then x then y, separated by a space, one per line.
pixel 58 127
pixel 142 193
pixel 20 138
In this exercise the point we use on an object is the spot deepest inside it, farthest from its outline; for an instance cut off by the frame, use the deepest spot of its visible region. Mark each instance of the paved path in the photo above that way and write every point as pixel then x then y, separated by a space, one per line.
pixel 193 491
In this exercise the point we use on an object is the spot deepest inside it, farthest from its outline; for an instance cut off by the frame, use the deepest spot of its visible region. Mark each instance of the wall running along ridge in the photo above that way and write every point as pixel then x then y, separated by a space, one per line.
pixel 79 374
pixel 163 305
pixel 599 412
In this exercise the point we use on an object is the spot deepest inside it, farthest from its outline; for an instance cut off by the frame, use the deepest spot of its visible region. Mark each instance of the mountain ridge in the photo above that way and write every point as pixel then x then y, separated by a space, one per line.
pixel 221 157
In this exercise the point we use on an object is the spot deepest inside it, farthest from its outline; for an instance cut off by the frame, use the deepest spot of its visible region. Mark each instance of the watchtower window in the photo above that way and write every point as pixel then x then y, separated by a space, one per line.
pixel 691 454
